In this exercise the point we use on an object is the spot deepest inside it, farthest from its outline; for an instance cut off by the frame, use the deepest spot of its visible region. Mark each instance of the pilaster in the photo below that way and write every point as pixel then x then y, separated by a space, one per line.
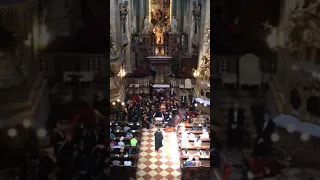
pixel 205 23
pixel 191 27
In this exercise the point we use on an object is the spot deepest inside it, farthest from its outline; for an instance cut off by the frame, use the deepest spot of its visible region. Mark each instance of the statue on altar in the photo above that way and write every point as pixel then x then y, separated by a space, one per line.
pixel 146 25
pixel 174 25
pixel 133 28
pixel 114 52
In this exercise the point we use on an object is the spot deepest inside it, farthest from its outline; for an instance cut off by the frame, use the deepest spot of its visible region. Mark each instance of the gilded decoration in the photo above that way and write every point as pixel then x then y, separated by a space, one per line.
pixel 204 69
pixel 160 12
pixel 302 27
pixel 123 8
pixel 114 52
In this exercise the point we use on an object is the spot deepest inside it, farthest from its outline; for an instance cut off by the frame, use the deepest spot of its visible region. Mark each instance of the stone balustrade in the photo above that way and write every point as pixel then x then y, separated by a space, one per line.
pixel 144 82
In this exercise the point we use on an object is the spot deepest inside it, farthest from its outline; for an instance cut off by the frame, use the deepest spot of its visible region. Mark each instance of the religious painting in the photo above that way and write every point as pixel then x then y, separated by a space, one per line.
pixel 160 12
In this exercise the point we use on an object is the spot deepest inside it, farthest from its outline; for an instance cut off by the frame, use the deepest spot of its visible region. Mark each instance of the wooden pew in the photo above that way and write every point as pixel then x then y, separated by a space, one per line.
pixel 123 124
pixel 198 172
pixel 136 133
pixel 121 157
pixel 195 172
pixel 194 132
pixel 187 125
pixel 122 172
pixel 198 147
pixel 202 139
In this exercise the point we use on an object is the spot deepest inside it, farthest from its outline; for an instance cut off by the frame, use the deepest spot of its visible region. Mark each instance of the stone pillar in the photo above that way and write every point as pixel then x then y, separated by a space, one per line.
pixel 179 15
pixel 205 23
pixel 128 33
pixel 134 13
pixel 141 14
pixel 185 17
pixel 191 26
pixel 115 22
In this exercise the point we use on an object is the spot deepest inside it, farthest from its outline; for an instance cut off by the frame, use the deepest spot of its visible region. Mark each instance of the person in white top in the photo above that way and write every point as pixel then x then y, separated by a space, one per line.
pixel 184 142
pixel 198 141
pixel 121 143
pixel 205 134
pixel 127 163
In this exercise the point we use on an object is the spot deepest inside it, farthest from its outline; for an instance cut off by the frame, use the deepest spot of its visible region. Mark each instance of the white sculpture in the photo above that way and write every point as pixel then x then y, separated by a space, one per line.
pixel 11 74
pixel 174 25
pixel 146 25
pixel 133 28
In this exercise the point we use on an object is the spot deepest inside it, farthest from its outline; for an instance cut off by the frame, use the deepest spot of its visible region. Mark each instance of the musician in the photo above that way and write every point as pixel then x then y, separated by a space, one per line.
pixel 192 104
pixel 172 94
pixel 157 113
pixel 141 94
pixel 148 103
pixel 174 110
pixel 166 114
pixel 161 93
pixel 235 124
pixel 148 120
pixel 169 107
pixel 263 143
pixel 151 90
pixel 169 121
pixel 183 101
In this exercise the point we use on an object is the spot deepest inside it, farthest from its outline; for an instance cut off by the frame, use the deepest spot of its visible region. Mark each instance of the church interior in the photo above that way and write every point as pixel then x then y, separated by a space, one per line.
pixel 160 79
pixel 62 90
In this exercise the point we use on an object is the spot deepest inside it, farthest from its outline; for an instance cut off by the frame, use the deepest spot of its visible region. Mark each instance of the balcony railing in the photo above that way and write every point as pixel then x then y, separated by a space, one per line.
pixel 144 82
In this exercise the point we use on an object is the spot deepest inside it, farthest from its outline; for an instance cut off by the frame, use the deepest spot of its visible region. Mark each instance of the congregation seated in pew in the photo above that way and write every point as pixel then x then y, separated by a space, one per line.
pixel 194 144
pixel 124 148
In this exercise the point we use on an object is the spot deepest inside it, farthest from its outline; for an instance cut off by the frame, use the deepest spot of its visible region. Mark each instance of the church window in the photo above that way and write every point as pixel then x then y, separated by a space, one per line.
pixel 94 64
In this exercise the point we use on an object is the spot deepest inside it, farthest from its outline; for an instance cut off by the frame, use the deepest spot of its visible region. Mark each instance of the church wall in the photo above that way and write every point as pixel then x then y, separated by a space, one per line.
pixel 205 19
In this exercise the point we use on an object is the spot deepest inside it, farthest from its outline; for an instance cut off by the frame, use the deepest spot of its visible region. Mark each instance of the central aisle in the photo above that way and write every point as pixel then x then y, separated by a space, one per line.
pixel 162 165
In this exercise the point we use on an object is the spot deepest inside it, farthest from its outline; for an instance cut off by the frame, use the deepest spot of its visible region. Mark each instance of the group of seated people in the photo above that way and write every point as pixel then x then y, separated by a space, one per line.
pixel 194 141
pixel 77 148
pixel 125 137
pixel 78 152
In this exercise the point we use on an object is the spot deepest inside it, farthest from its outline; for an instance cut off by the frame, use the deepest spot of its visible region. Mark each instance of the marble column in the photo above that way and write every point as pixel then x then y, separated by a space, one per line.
pixel 191 26
pixel 134 12
pixel 179 15
pixel 205 23
pixel 141 14
pixel 115 22
pixel 128 33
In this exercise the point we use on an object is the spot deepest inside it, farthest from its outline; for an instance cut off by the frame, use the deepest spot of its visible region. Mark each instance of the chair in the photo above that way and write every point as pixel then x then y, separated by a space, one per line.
pixel 249 75
pixel 188 84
